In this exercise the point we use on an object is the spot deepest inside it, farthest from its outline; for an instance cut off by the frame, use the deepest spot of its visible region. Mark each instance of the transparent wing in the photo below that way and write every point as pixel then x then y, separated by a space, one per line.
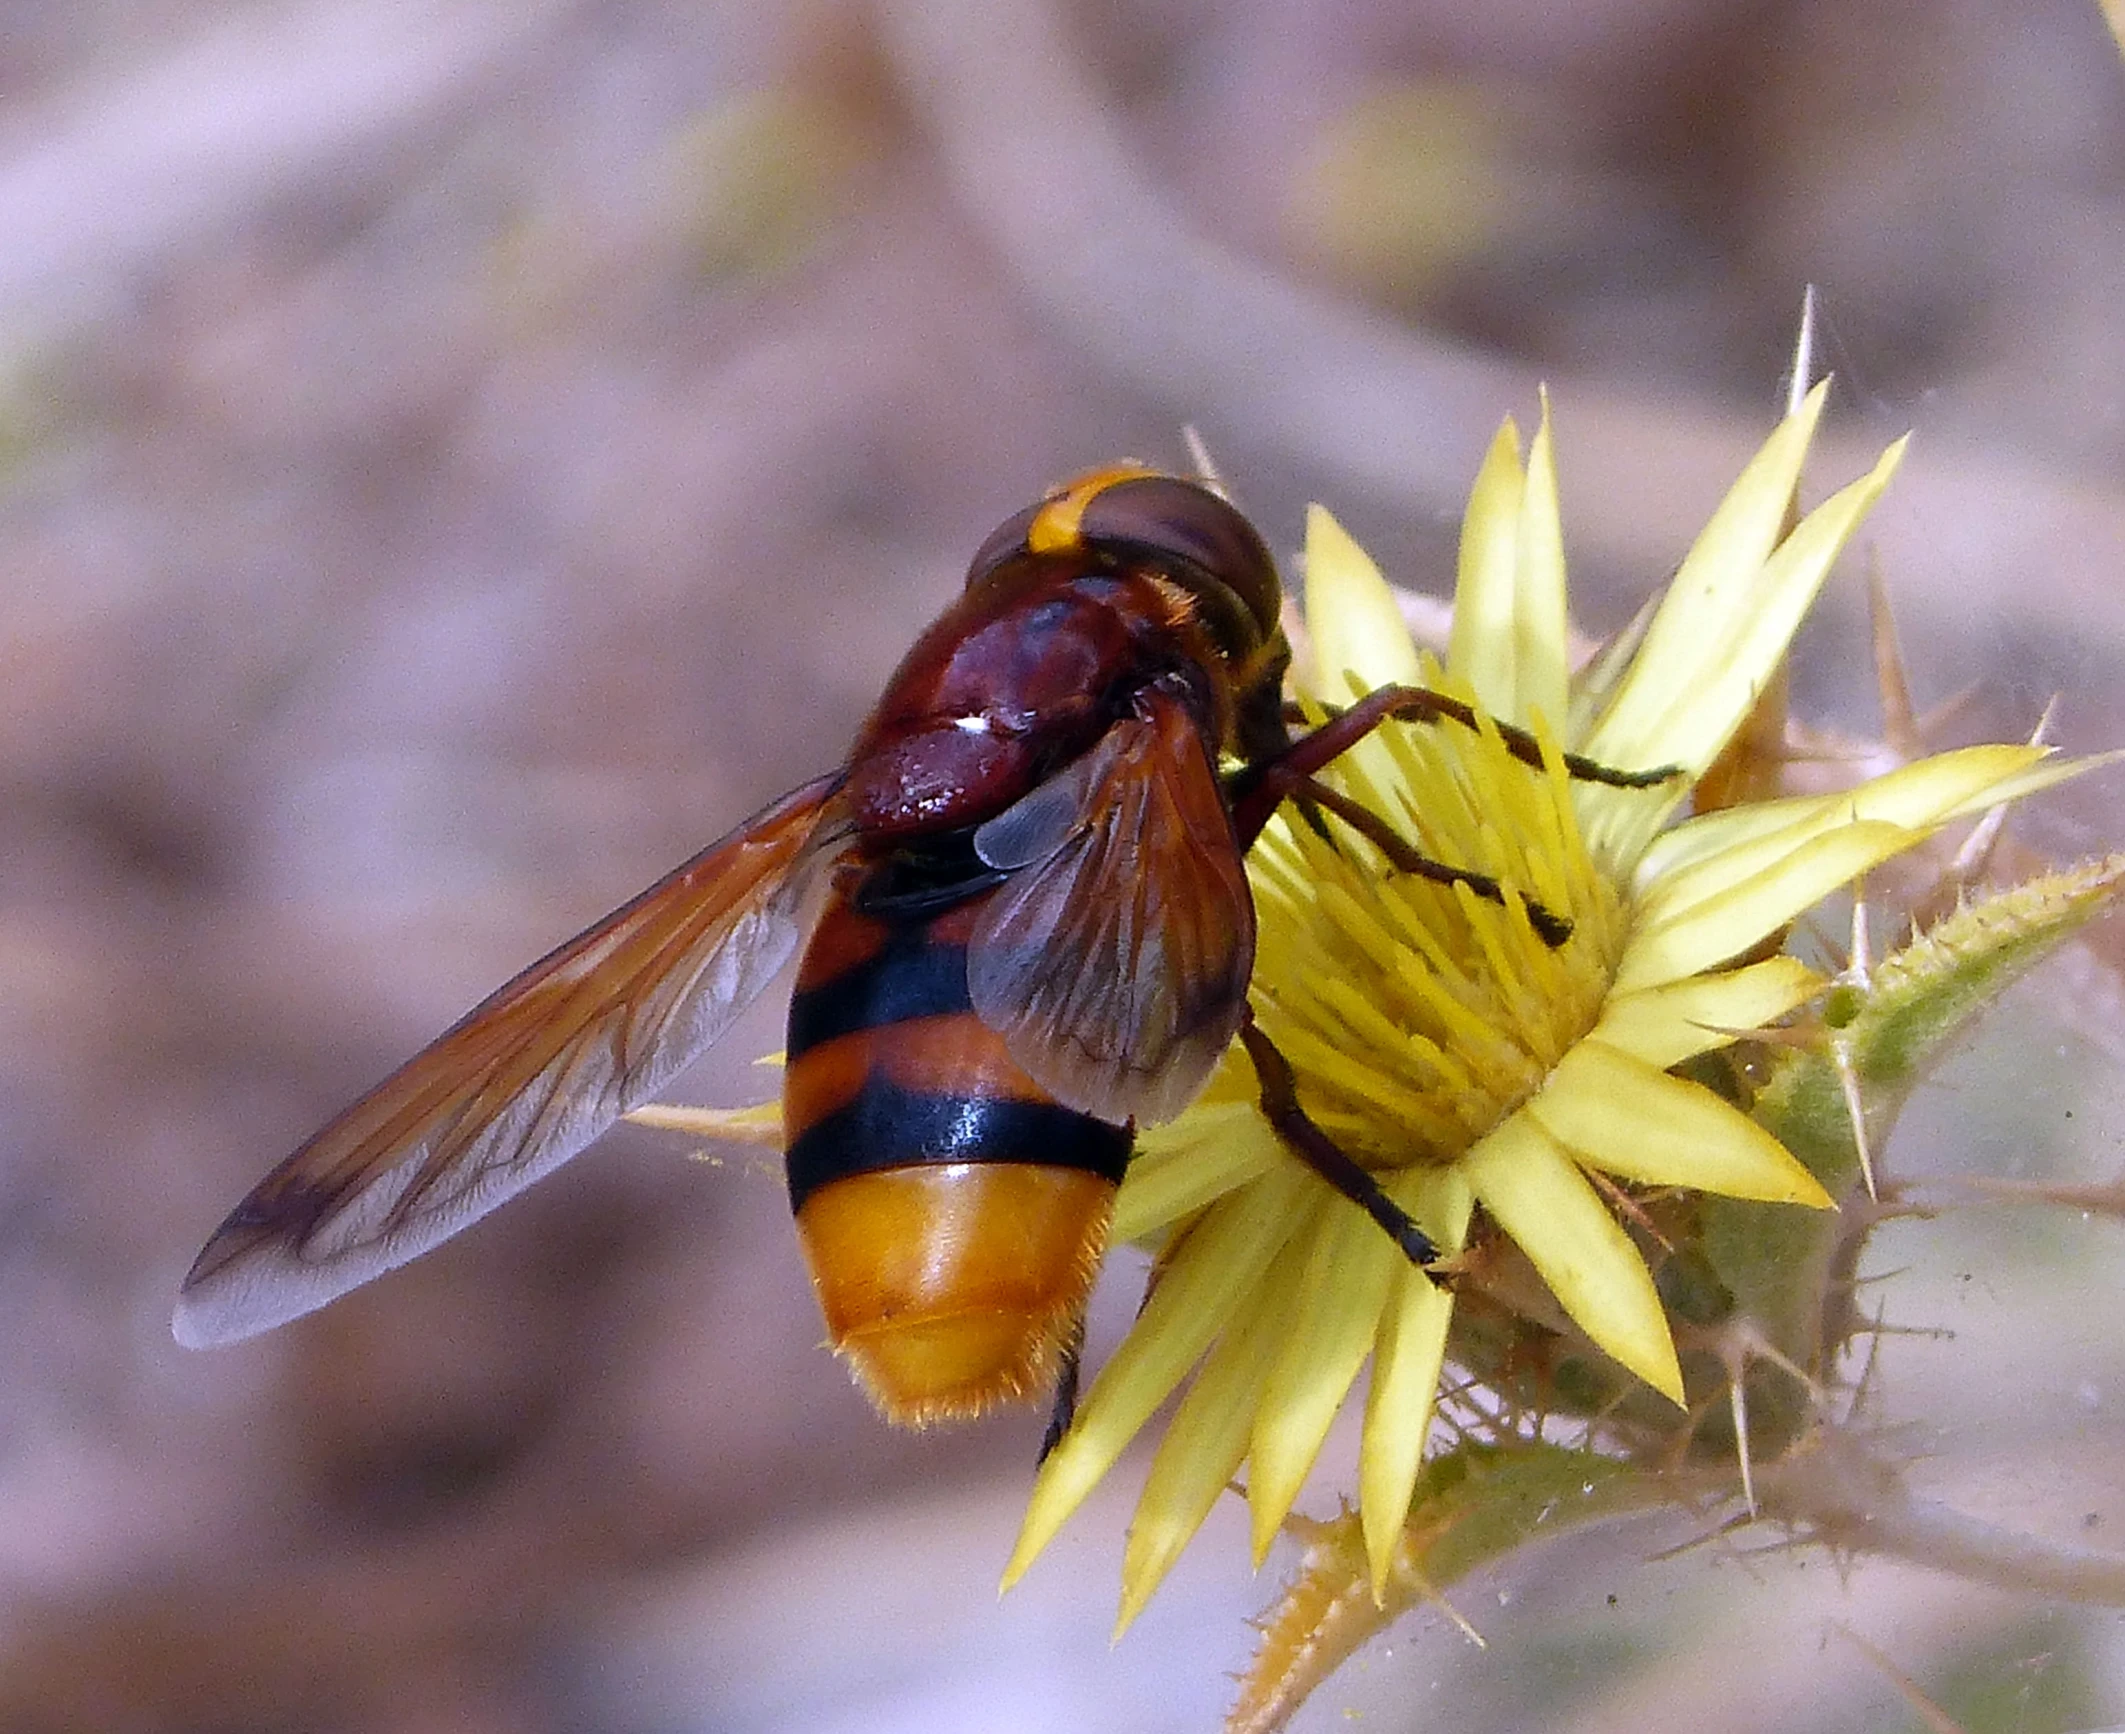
pixel 1114 960
pixel 522 1082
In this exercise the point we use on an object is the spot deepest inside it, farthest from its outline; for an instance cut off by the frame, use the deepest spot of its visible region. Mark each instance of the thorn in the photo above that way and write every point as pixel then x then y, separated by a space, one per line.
pixel 1740 1348
pixel 1424 1588
pixel 1453 1613
pixel 1738 1399
pixel 1950 710
pixel 1859 960
pixel 1754 1346
pixel 2104 1199
pixel 1206 470
pixel 1804 1034
pixel 1971 860
pixel 1870 1367
pixel 1855 1111
pixel 1803 374
pixel 1900 728
pixel 1937 1720
pixel 1628 1207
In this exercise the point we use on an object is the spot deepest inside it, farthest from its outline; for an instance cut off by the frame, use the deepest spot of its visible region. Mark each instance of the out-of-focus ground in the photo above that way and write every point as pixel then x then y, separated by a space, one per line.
pixel 459 456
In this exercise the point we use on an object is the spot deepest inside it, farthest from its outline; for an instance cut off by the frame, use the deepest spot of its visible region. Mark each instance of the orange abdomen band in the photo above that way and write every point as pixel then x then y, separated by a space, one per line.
pixel 954 1286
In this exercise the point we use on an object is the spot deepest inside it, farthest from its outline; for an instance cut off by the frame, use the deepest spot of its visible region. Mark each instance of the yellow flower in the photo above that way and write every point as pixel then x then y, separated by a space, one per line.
pixel 1439 1040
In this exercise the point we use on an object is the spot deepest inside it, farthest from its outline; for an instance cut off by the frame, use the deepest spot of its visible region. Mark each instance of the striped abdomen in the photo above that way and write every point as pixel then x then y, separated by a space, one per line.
pixel 953 1214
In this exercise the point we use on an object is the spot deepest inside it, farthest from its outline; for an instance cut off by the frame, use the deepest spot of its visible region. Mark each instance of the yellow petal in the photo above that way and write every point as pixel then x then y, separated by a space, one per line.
pixel 1358 636
pixel 1712 587
pixel 759 1124
pixel 1734 669
pixel 1509 612
pixel 1681 942
pixel 1700 903
pixel 1482 649
pixel 1664 1026
pixel 1408 1356
pixel 1624 1117
pixel 1327 1333
pixel 1213 1149
pixel 1541 665
pixel 1228 1252
pixel 1351 615
pixel 1535 1193
pixel 1206 1440
pixel 1926 792
pixel 2032 781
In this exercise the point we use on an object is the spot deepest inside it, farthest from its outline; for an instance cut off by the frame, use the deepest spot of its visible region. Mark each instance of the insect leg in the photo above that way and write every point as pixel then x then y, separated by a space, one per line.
pixel 1550 927
pixel 1312 1146
pixel 1064 1410
pixel 1320 747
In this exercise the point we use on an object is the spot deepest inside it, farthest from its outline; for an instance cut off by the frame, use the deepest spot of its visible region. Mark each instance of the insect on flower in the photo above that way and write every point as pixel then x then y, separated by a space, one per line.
pixel 1035 932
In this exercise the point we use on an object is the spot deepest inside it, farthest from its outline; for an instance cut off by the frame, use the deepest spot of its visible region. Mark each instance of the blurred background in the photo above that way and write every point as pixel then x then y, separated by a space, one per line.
pixel 457 456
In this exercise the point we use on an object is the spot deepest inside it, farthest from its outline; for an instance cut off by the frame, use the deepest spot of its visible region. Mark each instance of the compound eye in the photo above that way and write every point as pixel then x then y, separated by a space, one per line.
pixel 1166 520
pixel 1006 542
pixel 1052 526
pixel 1129 513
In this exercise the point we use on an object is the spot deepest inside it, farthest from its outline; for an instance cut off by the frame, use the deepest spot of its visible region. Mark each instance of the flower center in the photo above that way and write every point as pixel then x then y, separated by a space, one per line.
pixel 1419 1015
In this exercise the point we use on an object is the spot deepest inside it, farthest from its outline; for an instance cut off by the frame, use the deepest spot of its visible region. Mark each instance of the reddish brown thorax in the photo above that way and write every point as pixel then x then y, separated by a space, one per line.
pixel 1018 677
pixel 1072 609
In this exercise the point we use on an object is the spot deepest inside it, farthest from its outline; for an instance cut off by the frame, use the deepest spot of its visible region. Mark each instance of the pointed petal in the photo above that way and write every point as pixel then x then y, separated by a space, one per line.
pixel 2035 780
pixel 759 1125
pixel 1536 1194
pixel 1358 636
pixel 1733 669
pixel 1351 614
pixel 1709 590
pixel 1227 1253
pixel 1213 1149
pixel 1206 1440
pixel 1735 615
pixel 1673 943
pixel 1481 651
pixel 1926 792
pixel 1664 1026
pixel 1733 879
pixel 1626 1118
pixel 1540 663
pixel 1407 1359
pixel 1509 634
pixel 1327 1334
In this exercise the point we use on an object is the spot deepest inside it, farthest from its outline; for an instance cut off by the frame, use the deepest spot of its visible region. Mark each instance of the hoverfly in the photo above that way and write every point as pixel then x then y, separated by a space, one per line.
pixel 1034 931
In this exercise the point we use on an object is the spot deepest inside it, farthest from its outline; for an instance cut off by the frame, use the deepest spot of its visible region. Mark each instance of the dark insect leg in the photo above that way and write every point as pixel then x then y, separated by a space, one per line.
pixel 1064 1409
pixel 1312 1146
pixel 1550 927
pixel 1421 704
pixel 1313 751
